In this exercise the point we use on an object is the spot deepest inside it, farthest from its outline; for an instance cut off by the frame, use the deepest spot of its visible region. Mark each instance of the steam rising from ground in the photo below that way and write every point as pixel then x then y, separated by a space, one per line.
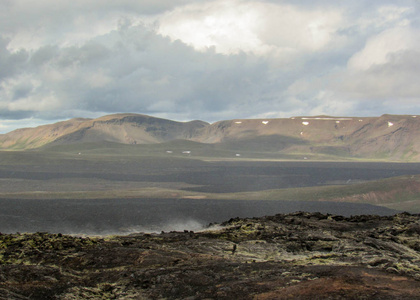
pixel 173 225
pixel 102 217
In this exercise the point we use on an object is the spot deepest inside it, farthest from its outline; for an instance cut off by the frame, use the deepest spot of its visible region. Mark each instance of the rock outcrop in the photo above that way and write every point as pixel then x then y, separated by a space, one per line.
pixel 293 256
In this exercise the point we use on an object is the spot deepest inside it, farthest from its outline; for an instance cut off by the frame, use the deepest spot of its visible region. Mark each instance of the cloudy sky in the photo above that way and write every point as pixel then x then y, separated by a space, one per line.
pixel 207 59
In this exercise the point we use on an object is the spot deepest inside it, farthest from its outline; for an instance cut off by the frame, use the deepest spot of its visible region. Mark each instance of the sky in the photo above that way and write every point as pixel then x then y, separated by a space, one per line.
pixel 207 60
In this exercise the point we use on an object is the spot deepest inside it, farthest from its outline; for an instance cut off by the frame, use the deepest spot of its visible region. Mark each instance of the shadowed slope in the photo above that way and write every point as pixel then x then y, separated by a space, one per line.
pixel 389 137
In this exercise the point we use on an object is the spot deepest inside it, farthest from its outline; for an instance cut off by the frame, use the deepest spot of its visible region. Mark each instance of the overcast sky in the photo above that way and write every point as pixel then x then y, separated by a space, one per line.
pixel 207 60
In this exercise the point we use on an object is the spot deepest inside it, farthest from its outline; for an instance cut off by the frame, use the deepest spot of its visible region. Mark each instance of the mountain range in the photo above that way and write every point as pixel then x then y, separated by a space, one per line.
pixel 388 137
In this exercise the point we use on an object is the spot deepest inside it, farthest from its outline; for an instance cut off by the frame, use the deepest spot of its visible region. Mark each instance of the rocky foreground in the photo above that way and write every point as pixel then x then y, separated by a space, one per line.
pixel 293 256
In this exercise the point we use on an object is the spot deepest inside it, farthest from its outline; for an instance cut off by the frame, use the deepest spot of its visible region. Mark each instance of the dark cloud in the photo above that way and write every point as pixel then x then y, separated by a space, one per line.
pixel 10 63
pixel 138 70
pixel 79 58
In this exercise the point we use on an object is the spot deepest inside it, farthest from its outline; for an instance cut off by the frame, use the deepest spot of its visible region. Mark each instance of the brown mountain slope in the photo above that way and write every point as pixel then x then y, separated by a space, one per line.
pixel 28 138
pixel 119 128
pixel 388 136
pixel 394 137
pixel 133 129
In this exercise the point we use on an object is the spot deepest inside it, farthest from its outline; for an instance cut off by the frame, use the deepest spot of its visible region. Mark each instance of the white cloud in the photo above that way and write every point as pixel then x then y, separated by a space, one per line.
pixel 229 26
pixel 327 102
pixel 251 26
pixel 385 72
pixel 392 14
pixel 380 49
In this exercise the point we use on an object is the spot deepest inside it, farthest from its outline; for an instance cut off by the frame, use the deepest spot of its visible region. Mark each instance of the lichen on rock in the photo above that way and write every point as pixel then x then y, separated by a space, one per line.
pixel 274 257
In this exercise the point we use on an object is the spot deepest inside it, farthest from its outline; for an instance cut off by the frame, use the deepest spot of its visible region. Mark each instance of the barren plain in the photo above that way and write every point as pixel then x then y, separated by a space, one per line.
pixel 134 207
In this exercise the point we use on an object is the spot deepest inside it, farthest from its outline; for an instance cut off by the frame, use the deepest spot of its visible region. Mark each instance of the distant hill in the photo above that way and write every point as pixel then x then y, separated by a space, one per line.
pixel 394 137
pixel 388 137
pixel 118 128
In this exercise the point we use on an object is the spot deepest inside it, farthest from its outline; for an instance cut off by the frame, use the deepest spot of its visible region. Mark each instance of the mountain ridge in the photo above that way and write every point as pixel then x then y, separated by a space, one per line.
pixel 389 137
